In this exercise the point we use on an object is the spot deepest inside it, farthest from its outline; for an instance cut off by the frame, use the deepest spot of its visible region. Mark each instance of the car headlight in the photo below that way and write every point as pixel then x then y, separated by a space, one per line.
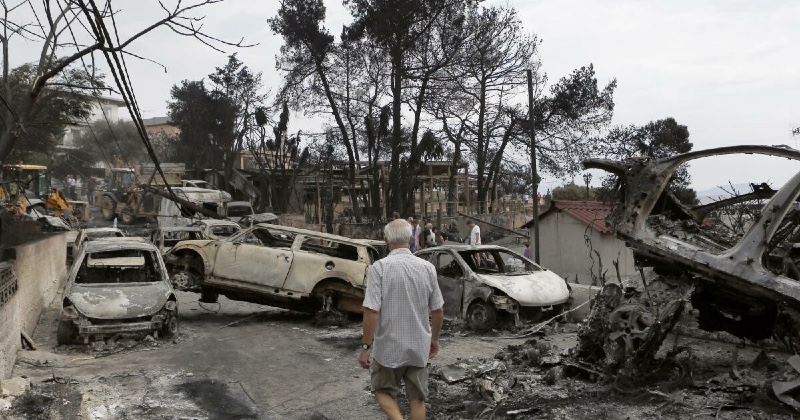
pixel 69 312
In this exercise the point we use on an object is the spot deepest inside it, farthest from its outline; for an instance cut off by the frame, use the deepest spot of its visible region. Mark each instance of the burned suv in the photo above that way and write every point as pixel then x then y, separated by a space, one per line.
pixel 735 259
pixel 276 265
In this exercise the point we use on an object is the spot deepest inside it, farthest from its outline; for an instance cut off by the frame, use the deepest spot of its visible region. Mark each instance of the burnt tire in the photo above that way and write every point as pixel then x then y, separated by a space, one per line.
pixel 127 216
pixel 67 332
pixel 481 316
pixel 108 207
pixel 183 280
pixel 170 326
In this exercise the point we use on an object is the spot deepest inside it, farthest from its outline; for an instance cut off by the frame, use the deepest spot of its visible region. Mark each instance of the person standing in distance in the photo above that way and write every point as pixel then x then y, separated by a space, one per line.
pixel 474 233
pixel 398 340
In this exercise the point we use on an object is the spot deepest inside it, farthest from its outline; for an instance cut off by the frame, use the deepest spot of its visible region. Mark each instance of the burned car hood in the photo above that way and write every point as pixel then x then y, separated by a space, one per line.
pixel 542 288
pixel 119 301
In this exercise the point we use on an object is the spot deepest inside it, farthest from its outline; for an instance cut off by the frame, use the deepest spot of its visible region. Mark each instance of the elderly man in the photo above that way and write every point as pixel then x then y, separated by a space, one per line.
pixel 401 292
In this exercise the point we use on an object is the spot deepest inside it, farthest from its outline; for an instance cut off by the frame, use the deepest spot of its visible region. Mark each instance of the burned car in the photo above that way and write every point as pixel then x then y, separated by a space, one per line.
pixel 166 238
pixel 735 261
pixel 479 283
pixel 117 286
pixel 275 265
pixel 217 229
pixel 89 234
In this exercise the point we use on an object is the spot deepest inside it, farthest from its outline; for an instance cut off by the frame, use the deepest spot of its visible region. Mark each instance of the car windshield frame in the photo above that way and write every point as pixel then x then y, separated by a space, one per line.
pixel 487 263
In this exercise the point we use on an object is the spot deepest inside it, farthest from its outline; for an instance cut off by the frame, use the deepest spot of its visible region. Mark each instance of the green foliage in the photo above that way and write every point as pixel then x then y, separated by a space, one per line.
pixel 655 140
pixel 575 192
pixel 206 122
pixel 62 103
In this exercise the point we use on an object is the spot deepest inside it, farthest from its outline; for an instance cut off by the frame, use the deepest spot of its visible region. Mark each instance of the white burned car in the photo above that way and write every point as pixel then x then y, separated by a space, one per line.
pixel 479 283
pixel 275 265
pixel 117 286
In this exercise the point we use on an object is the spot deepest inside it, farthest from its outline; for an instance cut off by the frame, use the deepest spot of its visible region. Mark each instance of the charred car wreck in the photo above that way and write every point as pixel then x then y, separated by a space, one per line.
pixel 486 283
pixel 118 286
pixel 740 273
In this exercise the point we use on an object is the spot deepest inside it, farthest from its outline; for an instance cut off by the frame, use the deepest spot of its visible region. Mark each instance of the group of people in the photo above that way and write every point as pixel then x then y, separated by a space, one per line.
pixel 74 187
pixel 429 235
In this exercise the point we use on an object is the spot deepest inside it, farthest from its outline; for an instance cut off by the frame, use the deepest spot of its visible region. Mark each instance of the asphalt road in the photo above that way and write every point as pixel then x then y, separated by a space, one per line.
pixel 237 361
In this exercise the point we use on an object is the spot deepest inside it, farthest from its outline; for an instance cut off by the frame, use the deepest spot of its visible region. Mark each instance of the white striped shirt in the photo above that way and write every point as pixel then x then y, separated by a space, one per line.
pixel 404 290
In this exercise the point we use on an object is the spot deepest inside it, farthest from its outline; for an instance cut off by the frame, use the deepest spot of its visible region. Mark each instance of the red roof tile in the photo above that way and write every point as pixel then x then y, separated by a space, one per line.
pixel 592 213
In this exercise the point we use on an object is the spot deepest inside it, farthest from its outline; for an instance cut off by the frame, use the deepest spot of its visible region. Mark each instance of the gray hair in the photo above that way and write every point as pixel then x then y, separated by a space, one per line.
pixel 397 232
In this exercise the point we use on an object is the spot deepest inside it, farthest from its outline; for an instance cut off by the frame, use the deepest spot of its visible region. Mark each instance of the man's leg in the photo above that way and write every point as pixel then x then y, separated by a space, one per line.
pixel 389 406
pixel 417 409
pixel 384 383
pixel 416 379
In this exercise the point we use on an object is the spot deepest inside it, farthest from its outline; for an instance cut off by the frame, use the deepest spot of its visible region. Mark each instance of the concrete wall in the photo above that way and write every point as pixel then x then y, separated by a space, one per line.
pixel 40 268
pixel 565 251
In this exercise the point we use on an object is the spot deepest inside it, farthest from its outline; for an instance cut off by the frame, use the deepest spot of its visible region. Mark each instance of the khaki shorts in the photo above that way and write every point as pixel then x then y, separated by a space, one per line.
pixel 387 380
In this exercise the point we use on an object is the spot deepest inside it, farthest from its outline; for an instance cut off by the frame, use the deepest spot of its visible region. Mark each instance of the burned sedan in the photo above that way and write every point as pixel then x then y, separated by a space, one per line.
pixel 482 283
pixel 276 265
pixel 118 286
pixel 735 260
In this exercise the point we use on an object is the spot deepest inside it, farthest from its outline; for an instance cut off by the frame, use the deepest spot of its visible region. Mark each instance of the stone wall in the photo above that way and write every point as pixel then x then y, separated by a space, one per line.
pixel 39 268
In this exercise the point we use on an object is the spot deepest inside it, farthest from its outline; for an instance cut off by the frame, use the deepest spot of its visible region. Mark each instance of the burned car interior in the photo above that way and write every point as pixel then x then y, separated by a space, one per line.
pixel 495 262
pixel 119 266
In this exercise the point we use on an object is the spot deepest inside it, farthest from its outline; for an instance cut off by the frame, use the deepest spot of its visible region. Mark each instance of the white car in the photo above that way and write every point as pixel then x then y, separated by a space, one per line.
pixel 274 265
pixel 479 283
pixel 216 228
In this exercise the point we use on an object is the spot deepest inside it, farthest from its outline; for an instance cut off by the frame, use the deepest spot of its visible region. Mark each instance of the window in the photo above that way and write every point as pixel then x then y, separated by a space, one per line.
pixel 119 266
pixel 330 248
pixel 495 261
pixel 446 265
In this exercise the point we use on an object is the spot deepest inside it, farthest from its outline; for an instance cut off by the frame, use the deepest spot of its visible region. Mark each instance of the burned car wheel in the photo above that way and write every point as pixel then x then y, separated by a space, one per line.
pixel 481 316
pixel 171 326
pixel 67 332
pixel 183 280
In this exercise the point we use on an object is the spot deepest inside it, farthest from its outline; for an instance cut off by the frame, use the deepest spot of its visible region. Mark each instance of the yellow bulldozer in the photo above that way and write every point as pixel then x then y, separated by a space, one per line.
pixel 26 189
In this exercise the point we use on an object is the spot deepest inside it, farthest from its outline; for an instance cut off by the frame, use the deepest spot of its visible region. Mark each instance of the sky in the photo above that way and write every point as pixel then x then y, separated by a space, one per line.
pixel 727 69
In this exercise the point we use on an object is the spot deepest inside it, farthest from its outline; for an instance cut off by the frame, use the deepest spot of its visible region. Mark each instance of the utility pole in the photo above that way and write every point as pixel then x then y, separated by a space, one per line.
pixel 534 173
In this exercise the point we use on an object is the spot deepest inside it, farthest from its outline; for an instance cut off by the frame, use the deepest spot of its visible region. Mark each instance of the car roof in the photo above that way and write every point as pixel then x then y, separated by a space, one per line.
pixel 458 248
pixel 216 222
pixel 180 229
pixel 312 233
pixel 121 239
pixel 239 203
pixel 101 229
pixel 121 243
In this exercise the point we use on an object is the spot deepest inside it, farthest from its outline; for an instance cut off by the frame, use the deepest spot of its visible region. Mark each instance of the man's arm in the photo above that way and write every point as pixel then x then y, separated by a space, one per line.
pixel 437 317
pixel 371 318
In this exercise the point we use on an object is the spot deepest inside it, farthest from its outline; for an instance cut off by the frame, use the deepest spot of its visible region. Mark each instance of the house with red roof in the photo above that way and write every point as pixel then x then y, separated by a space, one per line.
pixel 577 243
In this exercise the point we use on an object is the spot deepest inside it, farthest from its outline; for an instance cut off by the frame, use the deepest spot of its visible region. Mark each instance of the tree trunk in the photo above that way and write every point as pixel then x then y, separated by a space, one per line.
pixel 393 187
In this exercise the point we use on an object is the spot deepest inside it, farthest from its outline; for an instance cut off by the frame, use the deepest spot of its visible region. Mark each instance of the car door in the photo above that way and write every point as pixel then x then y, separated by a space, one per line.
pixel 257 257
pixel 319 258
pixel 450 276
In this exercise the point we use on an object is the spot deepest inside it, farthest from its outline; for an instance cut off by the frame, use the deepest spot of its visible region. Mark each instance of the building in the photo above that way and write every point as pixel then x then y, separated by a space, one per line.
pixel 575 241
pixel 160 128
pixel 103 108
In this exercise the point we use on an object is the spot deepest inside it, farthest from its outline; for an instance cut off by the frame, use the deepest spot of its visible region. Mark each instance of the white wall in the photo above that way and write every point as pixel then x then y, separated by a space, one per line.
pixel 565 251
pixel 40 267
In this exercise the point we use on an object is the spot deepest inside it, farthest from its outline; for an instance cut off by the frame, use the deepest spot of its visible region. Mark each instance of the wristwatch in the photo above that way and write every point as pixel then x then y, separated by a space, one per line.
pixel 366 346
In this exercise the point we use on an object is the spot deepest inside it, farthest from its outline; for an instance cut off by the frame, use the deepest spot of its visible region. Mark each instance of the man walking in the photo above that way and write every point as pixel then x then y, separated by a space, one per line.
pixel 474 233
pixel 398 339
pixel 416 232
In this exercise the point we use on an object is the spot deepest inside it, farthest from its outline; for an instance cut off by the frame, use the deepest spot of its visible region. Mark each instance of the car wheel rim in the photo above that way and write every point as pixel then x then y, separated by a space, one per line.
pixel 181 280
pixel 479 316
pixel 172 325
